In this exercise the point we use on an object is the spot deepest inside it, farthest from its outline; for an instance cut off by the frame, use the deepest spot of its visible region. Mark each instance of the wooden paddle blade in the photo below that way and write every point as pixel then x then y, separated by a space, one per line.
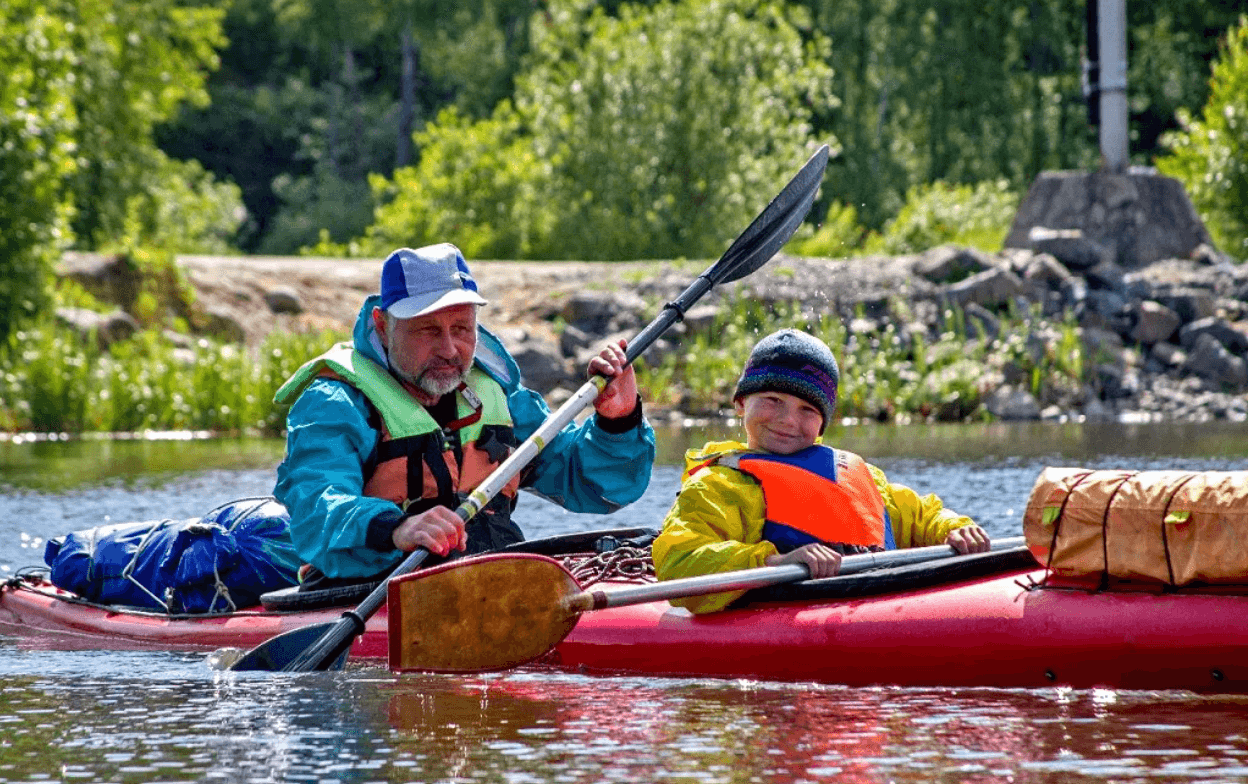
pixel 479 614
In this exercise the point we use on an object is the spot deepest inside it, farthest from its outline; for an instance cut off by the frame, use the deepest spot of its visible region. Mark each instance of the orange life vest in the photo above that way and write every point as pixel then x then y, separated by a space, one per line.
pixel 419 465
pixel 819 494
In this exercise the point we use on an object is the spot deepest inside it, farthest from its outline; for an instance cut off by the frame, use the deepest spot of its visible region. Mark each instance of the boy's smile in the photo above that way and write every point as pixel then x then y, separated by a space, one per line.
pixel 778 422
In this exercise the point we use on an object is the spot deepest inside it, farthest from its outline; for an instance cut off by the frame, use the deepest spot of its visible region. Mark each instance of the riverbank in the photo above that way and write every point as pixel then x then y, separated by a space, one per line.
pixel 1038 336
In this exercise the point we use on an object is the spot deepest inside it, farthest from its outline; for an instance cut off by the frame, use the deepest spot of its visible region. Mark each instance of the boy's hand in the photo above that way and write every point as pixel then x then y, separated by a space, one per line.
pixel 822 560
pixel 969 539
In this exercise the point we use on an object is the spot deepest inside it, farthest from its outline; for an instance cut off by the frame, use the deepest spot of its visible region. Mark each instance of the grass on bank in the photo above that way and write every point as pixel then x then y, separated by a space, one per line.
pixel 53 381
pixel 886 374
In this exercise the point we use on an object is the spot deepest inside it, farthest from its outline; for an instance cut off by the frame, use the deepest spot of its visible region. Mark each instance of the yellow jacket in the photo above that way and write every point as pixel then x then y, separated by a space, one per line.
pixel 716 524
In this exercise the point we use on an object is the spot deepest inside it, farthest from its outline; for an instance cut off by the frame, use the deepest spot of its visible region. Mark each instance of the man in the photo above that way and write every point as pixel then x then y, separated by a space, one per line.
pixel 387 434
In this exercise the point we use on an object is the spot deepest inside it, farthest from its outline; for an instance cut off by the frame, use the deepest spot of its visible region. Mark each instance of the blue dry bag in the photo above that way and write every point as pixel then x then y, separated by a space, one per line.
pixel 217 563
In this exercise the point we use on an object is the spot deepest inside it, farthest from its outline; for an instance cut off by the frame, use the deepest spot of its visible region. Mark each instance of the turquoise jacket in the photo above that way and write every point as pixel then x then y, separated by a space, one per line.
pixel 329 440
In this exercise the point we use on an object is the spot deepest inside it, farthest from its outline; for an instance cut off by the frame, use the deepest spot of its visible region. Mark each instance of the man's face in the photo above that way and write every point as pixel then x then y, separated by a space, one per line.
pixel 432 353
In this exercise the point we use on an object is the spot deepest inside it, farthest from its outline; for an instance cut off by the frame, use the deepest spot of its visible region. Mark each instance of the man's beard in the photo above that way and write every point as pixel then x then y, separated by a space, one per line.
pixel 437 386
pixel 434 385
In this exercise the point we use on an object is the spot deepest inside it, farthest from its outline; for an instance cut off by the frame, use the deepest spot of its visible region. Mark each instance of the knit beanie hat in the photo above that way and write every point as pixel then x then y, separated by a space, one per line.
pixel 795 362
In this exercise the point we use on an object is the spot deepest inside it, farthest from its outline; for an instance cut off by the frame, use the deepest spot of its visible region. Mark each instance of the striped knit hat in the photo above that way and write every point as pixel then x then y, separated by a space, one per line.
pixel 794 362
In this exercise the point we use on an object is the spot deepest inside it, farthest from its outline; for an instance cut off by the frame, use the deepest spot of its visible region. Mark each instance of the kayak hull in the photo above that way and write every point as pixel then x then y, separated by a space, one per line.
pixel 43 616
pixel 997 632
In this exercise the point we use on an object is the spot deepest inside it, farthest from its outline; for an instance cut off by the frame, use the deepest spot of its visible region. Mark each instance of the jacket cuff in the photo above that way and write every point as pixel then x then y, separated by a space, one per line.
pixel 380 534
pixel 622 424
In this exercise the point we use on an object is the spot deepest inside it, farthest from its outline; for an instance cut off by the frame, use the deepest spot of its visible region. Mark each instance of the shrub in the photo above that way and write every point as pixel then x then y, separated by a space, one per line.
pixel 939 213
pixel 1210 155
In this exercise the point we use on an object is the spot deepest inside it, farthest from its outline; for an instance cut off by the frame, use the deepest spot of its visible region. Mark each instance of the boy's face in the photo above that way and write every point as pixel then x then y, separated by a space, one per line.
pixel 778 422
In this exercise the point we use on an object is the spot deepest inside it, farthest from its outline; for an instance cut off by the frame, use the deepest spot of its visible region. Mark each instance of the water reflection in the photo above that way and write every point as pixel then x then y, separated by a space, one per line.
pixel 158 717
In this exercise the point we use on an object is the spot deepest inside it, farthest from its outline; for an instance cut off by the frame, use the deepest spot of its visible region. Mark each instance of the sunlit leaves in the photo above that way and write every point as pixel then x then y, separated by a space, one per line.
pixel 1210 154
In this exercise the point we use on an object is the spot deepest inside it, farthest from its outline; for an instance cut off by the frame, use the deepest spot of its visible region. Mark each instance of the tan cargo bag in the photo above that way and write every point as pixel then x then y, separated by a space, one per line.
pixel 1173 527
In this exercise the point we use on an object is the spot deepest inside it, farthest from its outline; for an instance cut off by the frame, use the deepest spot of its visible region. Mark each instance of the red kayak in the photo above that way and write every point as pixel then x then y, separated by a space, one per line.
pixel 1000 631
pixel 985 620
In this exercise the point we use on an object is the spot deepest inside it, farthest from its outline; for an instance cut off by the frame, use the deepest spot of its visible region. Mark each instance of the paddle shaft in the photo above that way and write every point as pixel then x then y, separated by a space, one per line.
pixel 761 577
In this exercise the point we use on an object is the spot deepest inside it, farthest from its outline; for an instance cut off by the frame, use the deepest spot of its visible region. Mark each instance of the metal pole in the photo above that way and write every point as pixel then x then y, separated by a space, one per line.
pixel 1112 39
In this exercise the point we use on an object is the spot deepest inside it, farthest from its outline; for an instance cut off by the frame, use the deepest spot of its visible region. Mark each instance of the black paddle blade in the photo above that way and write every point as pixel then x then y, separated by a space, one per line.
pixel 757 244
pixel 774 225
pixel 279 652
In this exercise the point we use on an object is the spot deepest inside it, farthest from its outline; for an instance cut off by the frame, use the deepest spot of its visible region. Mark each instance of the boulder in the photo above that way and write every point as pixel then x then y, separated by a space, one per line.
pixel 1139 216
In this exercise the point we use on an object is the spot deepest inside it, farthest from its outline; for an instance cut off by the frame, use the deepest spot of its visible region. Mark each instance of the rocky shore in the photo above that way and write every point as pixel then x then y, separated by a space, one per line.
pixel 1167 339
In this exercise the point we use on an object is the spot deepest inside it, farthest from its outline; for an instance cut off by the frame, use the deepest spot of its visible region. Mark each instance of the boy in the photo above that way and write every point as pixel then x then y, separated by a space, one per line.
pixel 782 497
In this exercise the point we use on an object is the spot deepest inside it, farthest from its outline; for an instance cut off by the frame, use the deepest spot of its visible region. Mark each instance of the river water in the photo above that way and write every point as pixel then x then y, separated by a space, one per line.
pixel 152 717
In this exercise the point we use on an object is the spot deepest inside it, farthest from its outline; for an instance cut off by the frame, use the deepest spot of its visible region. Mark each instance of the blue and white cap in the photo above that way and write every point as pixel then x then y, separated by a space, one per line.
pixel 416 282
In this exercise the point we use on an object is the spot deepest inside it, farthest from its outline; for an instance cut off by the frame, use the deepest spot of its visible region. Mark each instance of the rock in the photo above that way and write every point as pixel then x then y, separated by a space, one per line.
pixel 950 263
pixel 1232 339
pixel 542 366
pixel 596 311
pixel 701 318
pixel 112 278
pixel 1154 323
pixel 1190 303
pixel 1011 403
pixel 1096 411
pixel 1169 355
pixel 1140 215
pixel 224 323
pixel 985 325
pixel 284 299
pixel 1075 251
pixel 1210 360
pixel 991 288
pixel 108 328
pixel 573 340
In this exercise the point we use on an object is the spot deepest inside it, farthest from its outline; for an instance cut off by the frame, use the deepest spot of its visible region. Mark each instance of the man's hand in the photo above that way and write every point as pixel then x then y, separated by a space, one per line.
pixel 822 560
pixel 439 530
pixel 618 397
pixel 969 539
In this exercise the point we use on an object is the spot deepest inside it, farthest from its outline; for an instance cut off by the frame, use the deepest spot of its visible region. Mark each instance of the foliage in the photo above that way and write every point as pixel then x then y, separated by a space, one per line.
pixel 320 205
pixel 129 76
pixel 951 90
pixel 937 214
pixel 886 373
pixel 1210 154
pixel 600 159
pixel 838 236
pixel 37 124
pixel 57 381
pixel 665 126
pixel 181 209
pixel 476 183
pixel 82 94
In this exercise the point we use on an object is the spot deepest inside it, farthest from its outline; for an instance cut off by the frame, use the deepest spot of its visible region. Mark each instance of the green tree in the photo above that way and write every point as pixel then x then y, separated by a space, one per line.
pixel 130 76
pixel 950 90
pixel 668 126
pixel 1210 154
pixel 657 133
pixel 37 126
pixel 1171 47
pixel 477 184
